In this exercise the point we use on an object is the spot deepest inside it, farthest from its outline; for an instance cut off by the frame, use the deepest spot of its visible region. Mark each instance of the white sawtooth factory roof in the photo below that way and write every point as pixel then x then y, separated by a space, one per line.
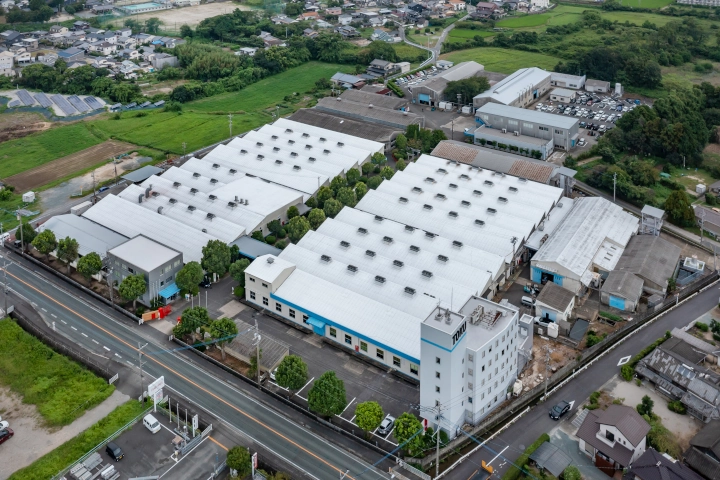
pixel 314 134
pixel 351 219
pixel 190 214
pixel 242 215
pixel 188 179
pixel 130 219
pixel 591 223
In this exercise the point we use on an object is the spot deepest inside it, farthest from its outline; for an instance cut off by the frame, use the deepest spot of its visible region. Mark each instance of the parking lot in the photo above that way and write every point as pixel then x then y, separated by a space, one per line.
pixel 147 454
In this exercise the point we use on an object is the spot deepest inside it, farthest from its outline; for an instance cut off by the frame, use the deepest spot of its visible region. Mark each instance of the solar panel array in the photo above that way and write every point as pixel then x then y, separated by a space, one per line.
pixel 43 100
pixel 93 103
pixel 78 104
pixel 64 105
pixel 14 103
pixel 25 97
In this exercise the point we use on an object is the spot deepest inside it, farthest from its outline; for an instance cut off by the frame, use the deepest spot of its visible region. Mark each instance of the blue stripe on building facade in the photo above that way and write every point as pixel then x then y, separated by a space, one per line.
pixel 536 276
pixel 443 348
pixel 341 327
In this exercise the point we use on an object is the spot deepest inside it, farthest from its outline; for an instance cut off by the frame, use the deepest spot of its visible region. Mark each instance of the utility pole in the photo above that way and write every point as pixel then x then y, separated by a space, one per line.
pixel 548 351
pixel 22 241
pixel 257 338
pixel 110 285
pixel 92 174
pixel 140 365
pixel 184 145
pixel 115 166
pixel 614 185
pixel 437 440
pixel 702 223
pixel 5 285
pixel 230 122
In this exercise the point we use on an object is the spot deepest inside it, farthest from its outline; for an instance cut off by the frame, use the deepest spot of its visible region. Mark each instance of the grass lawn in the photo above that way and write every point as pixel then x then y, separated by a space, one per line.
pixel 28 152
pixel 423 39
pixel 525 20
pixel 503 60
pixel 690 177
pixel 467 33
pixel 66 454
pixel 646 3
pixel 60 388
pixel 686 74
pixel 407 53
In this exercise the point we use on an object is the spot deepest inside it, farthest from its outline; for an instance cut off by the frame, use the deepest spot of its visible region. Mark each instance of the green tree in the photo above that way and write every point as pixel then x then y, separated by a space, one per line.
pixel 324 194
pixel 89 265
pixel 387 173
pixel 378 159
pixel 467 88
pixel 258 235
pixel 401 165
pixel 367 168
pixel 346 196
pixel 132 287
pixel 237 270
pixel 297 228
pixel 312 202
pixel 368 415
pixel 189 277
pixel 645 406
pixel 409 429
pixel 375 182
pixel 274 226
pixel 186 31
pixel 190 320
pixel 327 395
pixel 352 176
pixel 292 373
pixel 223 331
pixel 316 217
pixel 216 257
pixel 292 212
pixel 337 183
pixel 360 190
pixel 240 460
pixel 45 242
pixel 67 251
pixel 679 210
pixel 332 207
pixel 152 25
pixel 27 236
pixel 572 473
pixel 401 142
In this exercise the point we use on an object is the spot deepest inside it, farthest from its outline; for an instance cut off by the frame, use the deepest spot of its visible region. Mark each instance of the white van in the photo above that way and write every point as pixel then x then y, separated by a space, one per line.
pixel 527 302
pixel 4 237
pixel 151 423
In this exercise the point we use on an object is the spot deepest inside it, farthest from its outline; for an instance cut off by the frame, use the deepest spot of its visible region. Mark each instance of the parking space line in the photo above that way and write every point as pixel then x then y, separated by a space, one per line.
pixel 353 419
pixel 184 456
pixel 496 456
pixel 308 383
pixel 346 406
pixel 218 443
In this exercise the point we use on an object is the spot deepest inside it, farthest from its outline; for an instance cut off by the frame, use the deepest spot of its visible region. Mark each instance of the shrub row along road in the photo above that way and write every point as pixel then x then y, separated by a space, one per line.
pixel 528 428
pixel 102 331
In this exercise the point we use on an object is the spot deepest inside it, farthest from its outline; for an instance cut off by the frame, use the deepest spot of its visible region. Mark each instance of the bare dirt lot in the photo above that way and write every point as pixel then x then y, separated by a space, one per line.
pixel 173 19
pixel 32 440
pixel 21 124
pixel 534 374
pixel 65 166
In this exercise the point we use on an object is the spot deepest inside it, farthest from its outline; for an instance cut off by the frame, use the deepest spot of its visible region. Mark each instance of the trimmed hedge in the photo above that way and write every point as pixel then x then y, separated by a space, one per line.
pixel 628 370
pixel 611 316
pixel 514 473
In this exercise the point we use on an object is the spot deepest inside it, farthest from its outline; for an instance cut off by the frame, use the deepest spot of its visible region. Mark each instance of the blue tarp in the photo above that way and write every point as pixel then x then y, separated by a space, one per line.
pixel 318 325
pixel 169 291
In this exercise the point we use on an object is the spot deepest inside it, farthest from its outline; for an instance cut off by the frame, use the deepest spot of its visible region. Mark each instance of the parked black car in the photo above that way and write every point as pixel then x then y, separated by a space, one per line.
pixel 559 410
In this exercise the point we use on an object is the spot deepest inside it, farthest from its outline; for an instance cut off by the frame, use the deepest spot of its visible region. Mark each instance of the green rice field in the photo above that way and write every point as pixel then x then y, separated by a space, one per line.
pixel 503 60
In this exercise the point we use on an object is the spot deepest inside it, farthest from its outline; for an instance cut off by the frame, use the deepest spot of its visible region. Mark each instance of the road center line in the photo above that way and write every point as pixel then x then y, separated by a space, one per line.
pixel 95 341
pixel 83 334
pixel 73 328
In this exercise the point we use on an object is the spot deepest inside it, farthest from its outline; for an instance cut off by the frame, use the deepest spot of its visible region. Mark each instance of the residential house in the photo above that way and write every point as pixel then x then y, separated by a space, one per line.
pixel 58 29
pixel 487 10
pixel 347 31
pixel 78 64
pixel 30 43
pixel 457 5
pixel 309 16
pixel 7 4
pixel 416 7
pixel 123 32
pixel 80 25
pixel 130 54
pixel 6 63
pixel 675 369
pixel 9 37
pixel 333 11
pixel 103 9
pixel 555 303
pixel 653 465
pixel 162 60
pixel 703 456
pixel 613 438
pixel 282 20
pixel 23 58
pixel 71 54
pixel 381 68
pixel 249 51
pixel 347 81
pixel 344 19
pixel 103 48
pixel 48 59
pixel 17 48
pixel 310 33
pixel 143 38
pixel 186 3
pixel 382 36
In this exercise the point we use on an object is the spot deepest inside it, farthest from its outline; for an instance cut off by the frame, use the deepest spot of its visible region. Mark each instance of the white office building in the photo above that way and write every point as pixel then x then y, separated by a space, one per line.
pixel 438 236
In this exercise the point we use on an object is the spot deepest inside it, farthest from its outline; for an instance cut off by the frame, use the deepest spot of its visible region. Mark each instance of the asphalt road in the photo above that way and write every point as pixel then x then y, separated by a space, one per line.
pixel 108 335
pixel 509 445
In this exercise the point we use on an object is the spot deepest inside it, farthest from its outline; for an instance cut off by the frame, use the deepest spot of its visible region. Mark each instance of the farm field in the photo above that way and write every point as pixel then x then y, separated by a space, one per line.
pixel 646 3
pixel 466 33
pixel 503 60
pixel 567 14
pixel 39 176
pixel 174 18
pixel 37 149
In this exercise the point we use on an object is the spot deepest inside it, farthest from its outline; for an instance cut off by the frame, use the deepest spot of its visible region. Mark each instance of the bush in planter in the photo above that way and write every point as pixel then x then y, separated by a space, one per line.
pixel 239 291
pixel 502 146
pixel 482 141
pixel 513 148
pixel 270 239
pixel 492 143
pixel 282 233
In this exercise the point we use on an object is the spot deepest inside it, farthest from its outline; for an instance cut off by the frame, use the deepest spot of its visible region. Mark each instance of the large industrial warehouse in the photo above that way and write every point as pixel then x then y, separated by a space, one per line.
pixel 398 276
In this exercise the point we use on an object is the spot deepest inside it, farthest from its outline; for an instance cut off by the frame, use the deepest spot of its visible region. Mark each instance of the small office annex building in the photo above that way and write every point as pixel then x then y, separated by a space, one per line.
pixel 401 279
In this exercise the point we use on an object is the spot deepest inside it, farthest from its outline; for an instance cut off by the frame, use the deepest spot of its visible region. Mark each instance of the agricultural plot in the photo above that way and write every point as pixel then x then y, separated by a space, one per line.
pixel 503 60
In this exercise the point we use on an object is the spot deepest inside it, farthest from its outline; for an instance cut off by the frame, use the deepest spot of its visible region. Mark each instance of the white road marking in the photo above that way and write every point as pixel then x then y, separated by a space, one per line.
pixel 130 363
pixel 106 348
pixel 496 456
pixel 95 341
pixel 34 304
pixel 83 334
pixel 53 315
pixel 44 310
pixel 572 404
pixel 308 383
pixel 64 322
pixel 346 407
pixel 118 355
pixel 73 328
pixel 624 360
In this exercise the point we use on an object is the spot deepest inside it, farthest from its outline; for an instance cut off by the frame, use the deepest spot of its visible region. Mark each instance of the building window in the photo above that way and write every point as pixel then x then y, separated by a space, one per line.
pixel 413 369
pixel 437 360
pixel 609 435
pixel 470 357
pixel 380 354
pixel 437 389
pixel 292 313
pixel 278 307
pixel 470 372
pixel 265 285
pixel 470 386
pixel 396 361
pixel 483 354
pixel 527 125
pixel 348 339
pixel 482 396
pixel 305 318
pixel 169 279
pixel 559 132
pixel 513 123
pixel 131 270
pixel 252 295
pixel 265 301
pixel 469 399
pixel 437 374
pixel 251 279
pixel 333 332
pixel 544 129
pixel 162 282
pixel 483 368
pixel 363 346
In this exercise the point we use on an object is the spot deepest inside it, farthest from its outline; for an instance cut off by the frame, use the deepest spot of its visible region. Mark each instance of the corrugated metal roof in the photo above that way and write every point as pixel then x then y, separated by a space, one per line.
pixel 511 87
pixel 555 297
pixel 551 458
pixel 144 253
pixel 384 101
pixel 252 248
pixel 90 236
pixel 528 115
pixel 697 343
pixel 384 116
pixel 623 284
pixel 142 173
pixel 651 258
pixel 338 123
